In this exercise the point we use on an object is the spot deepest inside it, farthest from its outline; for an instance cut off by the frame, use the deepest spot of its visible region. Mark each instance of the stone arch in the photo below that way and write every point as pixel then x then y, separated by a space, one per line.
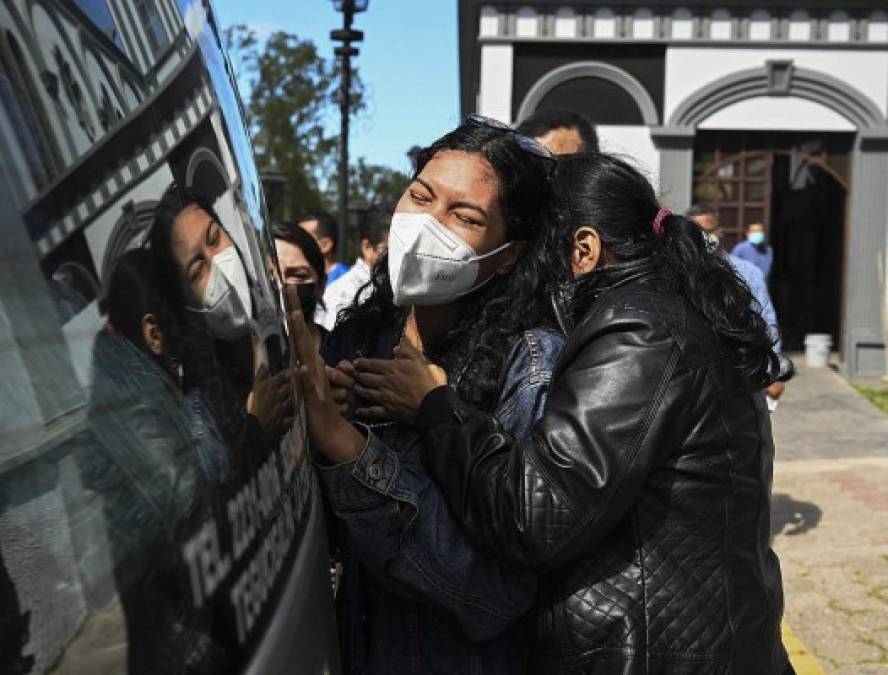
pixel 593 69
pixel 778 78
pixel 206 156
pixel 863 340
pixel 130 230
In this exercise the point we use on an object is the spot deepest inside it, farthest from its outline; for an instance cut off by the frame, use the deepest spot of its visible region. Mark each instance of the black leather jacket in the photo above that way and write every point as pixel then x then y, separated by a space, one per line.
pixel 642 497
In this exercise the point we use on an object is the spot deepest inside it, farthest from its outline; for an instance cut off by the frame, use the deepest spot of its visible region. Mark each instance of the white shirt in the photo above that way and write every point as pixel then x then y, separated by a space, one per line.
pixel 343 292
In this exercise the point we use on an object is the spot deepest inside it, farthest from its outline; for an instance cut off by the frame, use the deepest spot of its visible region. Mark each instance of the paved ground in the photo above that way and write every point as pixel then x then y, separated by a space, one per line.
pixel 830 521
pixel 822 417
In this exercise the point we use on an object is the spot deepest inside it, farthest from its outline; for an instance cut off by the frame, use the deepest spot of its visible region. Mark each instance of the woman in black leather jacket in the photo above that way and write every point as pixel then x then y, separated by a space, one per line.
pixel 642 497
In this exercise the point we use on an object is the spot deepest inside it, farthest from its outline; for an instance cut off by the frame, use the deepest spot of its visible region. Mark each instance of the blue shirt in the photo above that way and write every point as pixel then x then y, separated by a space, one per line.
pixel 335 272
pixel 760 256
pixel 417 595
pixel 755 280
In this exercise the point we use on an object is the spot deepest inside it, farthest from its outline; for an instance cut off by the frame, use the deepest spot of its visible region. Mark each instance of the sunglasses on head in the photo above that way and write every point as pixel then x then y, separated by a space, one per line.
pixel 526 143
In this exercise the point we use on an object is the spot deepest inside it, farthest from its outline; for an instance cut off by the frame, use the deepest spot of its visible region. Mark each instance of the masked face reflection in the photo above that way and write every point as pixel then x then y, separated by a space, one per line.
pixel 211 270
pixel 448 234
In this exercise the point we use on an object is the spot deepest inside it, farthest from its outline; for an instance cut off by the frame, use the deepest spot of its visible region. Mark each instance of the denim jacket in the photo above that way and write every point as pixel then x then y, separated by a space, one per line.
pixel 416 595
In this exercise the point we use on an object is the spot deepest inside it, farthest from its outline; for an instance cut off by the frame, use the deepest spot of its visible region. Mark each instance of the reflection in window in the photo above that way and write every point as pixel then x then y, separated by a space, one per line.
pixel 74 93
pixel 106 110
pixel 15 97
pixel 153 24
pixel 100 14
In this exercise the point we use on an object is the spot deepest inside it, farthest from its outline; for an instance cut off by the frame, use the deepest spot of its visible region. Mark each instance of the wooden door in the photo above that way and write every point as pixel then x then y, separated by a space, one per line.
pixel 740 186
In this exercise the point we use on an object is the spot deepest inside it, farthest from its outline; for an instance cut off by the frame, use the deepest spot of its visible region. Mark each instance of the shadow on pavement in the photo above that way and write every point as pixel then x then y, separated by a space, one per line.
pixel 791 517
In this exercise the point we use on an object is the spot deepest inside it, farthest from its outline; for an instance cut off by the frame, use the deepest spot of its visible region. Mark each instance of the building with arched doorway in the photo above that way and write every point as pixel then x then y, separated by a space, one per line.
pixel 776 112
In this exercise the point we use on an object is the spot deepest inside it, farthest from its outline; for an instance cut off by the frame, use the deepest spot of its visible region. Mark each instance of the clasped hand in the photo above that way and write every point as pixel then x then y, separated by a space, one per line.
pixel 395 388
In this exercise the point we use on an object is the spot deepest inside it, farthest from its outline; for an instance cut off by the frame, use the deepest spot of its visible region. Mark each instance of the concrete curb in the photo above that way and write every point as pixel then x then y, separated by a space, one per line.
pixel 802 660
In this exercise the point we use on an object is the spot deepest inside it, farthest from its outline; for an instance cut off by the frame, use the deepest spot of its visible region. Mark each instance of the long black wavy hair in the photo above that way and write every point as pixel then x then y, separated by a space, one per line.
pixel 475 348
pixel 223 369
pixel 608 194
pixel 133 292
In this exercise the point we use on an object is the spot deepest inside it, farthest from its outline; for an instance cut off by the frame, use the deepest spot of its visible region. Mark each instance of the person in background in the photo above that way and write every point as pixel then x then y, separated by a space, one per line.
pixel 344 291
pixel 563 132
pixel 325 231
pixel 705 216
pixel 302 265
pixel 755 249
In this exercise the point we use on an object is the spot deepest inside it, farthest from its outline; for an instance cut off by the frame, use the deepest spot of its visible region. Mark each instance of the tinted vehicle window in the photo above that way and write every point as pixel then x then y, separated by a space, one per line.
pixel 157 511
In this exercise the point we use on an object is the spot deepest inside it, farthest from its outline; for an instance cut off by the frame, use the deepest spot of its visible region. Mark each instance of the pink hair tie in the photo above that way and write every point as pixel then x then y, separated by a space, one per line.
pixel 662 215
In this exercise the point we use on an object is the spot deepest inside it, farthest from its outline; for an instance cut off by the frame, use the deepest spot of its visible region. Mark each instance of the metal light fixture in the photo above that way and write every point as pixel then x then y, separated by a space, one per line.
pixel 357 5
pixel 346 35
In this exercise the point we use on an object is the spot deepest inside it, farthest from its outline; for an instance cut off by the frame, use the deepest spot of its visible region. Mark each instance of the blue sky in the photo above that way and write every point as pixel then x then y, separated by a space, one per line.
pixel 408 62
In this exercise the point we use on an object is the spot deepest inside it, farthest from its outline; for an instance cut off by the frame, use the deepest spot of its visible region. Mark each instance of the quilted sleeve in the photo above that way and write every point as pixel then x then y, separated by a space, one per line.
pixel 551 498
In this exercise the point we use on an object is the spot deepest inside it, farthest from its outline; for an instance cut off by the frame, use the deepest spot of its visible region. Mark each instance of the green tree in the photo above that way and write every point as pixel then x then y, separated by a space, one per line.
pixel 292 88
pixel 370 184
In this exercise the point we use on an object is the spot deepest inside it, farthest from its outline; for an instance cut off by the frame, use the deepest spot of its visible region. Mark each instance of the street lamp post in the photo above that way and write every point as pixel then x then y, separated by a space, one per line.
pixel 346 35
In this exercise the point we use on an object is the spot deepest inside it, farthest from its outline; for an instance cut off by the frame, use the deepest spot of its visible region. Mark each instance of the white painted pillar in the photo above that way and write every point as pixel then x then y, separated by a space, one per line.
pixel 495 88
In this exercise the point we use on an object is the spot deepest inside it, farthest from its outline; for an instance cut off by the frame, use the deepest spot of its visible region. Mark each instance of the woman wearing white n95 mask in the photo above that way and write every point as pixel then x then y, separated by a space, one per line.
pixel 463 289
pixel 204 279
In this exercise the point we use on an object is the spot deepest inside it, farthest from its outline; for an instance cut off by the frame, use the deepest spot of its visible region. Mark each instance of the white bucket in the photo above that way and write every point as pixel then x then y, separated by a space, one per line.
pixel 817 348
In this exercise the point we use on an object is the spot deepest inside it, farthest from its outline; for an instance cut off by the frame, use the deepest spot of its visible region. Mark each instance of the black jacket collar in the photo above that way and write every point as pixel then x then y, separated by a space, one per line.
pixel 574 298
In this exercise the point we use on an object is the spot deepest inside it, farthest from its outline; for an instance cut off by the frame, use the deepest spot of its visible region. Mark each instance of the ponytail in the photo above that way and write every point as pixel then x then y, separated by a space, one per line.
pixel 709 282
pixel 605 192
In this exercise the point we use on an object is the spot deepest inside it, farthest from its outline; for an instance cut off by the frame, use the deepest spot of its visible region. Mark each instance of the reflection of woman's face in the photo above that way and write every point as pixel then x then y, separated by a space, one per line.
pixel 196 239
pixel 461 191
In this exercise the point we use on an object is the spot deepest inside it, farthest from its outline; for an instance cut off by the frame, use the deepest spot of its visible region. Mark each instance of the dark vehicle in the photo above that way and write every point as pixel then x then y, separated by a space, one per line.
pixel 157 511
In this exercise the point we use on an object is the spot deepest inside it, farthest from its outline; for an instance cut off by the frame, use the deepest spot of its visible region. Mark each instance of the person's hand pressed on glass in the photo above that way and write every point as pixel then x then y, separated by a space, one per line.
pixel 329 432
pixel 270 401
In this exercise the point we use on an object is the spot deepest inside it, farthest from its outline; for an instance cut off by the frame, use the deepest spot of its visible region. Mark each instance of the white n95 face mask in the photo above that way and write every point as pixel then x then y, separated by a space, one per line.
pixel 428 264
pixel 227 306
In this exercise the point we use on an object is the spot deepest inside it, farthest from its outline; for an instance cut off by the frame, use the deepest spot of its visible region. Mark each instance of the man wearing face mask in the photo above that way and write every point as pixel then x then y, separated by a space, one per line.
pixel 755 249
pixel 706 217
